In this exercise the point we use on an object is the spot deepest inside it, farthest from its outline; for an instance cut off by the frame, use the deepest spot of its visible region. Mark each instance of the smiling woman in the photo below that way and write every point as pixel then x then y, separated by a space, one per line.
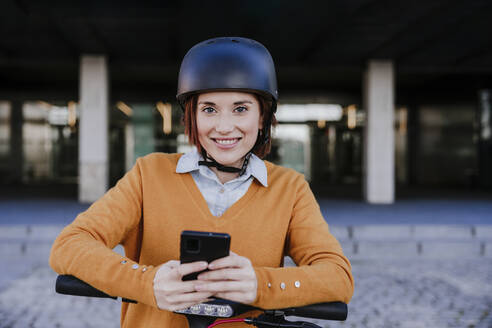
pixel 228 125
pixel 263 142
pixel 228 91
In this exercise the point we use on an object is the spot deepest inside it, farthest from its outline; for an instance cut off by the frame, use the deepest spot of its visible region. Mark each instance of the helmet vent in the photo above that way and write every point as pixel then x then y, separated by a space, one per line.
pixel 235 41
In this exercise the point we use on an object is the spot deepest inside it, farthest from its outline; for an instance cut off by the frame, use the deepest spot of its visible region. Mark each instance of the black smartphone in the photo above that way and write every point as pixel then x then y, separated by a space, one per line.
pixel 203 246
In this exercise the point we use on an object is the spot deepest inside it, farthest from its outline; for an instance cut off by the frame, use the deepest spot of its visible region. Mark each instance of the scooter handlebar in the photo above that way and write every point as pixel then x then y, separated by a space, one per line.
pixel 70 285
pixel 327 311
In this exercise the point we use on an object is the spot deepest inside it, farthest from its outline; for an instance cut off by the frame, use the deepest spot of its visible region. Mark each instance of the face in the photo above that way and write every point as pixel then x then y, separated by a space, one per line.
pixel 228 124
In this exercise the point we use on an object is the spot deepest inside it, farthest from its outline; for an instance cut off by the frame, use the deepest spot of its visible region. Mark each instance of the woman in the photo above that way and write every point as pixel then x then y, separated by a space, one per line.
pixel 227 89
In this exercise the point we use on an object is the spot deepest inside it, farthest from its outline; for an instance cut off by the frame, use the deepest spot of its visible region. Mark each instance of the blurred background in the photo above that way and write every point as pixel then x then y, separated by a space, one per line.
pixel 428 63
pixel 385 107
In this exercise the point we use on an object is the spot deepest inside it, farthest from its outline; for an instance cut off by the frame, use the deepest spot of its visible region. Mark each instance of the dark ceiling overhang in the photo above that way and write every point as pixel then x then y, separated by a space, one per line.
pixel 318 46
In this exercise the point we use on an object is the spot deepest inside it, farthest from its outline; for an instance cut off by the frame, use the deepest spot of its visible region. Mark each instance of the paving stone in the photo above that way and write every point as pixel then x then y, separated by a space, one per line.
pixel 483 232
pixel 443 232
pixel 384 249
pixel 9 232
pixel 119 249
pixel 340 232
pixel 40 249
pixel 444 249
pixel 24 247
pixel 382 232
pixel 10 248
pixel 347 247
pixel 45 232
pixel 487 249
pixel 32 302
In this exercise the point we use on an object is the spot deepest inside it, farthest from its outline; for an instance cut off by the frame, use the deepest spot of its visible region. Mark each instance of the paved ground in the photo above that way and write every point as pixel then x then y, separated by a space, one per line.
pixel 422 293
pixel 435 272
pixel 398 293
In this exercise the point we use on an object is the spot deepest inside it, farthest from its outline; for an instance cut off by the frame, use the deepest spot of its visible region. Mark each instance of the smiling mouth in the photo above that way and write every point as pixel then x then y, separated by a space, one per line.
pixel 228 141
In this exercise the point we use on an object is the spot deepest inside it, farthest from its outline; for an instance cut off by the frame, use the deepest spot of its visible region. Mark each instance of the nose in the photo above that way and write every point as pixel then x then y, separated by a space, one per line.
pixel 225 124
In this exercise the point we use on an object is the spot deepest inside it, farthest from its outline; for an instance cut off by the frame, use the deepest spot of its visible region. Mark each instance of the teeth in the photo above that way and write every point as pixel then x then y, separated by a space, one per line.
pixel 226 141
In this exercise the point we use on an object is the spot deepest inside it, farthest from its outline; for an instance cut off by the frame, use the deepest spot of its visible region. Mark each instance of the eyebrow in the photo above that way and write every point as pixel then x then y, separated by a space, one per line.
pixel 235 103
pixel 243 102
pixel 206 103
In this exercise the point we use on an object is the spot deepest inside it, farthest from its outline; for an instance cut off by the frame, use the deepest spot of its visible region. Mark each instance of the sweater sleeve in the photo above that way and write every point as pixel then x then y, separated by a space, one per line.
pixel 323 273
pixel 84 248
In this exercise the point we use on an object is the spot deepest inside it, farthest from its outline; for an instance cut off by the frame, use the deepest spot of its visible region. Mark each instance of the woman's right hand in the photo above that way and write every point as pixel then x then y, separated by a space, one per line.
pixel 171 293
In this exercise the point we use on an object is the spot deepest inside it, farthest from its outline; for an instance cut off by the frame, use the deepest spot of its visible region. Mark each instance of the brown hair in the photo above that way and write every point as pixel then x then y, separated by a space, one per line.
pixel 261 148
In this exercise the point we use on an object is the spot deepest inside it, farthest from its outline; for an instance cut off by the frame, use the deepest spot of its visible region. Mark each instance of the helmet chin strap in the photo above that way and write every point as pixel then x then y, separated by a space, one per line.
pixel 210 162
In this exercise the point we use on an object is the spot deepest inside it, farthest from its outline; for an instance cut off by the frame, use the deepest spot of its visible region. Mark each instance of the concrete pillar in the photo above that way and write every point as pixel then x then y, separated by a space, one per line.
pixel 379 139
pixel 16 142
pixel 93 125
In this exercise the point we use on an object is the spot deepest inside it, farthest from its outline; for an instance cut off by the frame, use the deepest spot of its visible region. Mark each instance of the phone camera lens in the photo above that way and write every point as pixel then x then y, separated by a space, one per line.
pixel 193 245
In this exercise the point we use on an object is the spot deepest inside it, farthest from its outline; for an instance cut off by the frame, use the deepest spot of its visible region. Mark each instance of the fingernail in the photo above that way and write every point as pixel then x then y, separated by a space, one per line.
pixel 211 266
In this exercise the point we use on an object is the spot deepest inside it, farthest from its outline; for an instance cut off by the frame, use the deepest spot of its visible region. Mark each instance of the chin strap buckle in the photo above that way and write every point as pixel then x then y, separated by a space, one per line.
pixel 210 162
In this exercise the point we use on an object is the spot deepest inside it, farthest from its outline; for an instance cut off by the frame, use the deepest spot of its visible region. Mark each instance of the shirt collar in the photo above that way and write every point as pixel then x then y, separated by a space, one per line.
pixel 188 162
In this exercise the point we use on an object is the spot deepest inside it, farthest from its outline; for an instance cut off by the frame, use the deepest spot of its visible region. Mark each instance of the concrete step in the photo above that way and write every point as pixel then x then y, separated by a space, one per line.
pixel 364 241
pixel 389 232
pixel 424 249
pixel 424 241
pixel 30 232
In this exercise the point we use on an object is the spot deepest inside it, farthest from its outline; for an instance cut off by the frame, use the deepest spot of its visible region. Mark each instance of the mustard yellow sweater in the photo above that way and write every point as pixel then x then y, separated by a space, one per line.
pixel 150 206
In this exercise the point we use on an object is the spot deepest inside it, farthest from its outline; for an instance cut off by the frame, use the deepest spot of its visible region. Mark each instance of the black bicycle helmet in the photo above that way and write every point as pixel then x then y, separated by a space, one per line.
pixel 228 63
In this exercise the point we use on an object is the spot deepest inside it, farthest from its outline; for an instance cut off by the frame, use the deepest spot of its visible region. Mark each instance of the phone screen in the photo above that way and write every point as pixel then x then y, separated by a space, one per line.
pixel 203 246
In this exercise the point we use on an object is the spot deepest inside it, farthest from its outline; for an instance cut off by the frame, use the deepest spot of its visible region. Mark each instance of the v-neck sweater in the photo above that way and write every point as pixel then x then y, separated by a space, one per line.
pixel 150 206
pixel 220 196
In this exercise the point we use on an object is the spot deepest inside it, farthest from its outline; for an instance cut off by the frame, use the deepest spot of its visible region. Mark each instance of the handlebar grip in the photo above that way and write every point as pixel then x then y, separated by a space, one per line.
pixel 327 311
pixel 69 285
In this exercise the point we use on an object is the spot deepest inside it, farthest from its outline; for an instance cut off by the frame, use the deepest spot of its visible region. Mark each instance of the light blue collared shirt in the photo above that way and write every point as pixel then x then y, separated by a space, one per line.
pixel 220 197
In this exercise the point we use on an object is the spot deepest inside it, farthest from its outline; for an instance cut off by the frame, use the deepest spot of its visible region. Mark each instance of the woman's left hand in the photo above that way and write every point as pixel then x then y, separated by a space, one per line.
pixel 231 277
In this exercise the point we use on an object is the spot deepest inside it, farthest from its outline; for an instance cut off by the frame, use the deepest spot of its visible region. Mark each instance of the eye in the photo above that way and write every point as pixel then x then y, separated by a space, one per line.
pixel 240 109
pixel 208 110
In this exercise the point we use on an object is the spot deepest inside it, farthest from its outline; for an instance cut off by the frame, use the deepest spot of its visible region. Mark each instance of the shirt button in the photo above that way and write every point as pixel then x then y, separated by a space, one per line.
pixel 297 284
pixel 222 190
pixel 282 285
pixel 135 266
pixel 269 285
pixel 144 269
